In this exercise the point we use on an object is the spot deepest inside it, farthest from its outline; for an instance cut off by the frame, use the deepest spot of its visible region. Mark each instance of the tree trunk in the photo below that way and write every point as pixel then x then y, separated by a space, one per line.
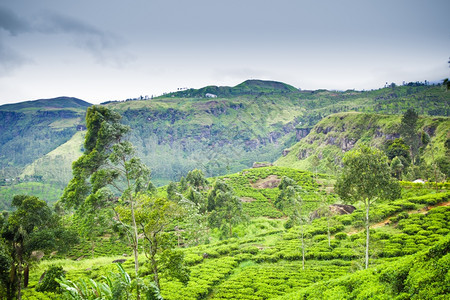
pixel 434 165
pixel 135 249
pixel 303 248
pixel 19 282
pixel 153 249
pixel 11 285
pixel 155 272
pixel 328 228
pixel 26 275
pixel 92 247
pixel 367 232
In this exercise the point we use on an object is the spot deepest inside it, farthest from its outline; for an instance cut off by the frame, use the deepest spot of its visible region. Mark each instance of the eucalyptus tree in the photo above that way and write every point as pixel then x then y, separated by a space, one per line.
pixel 408 130
pixel 225 208
pixel 153 215
pixel 108 161
pixel 366 177
pixel 196 178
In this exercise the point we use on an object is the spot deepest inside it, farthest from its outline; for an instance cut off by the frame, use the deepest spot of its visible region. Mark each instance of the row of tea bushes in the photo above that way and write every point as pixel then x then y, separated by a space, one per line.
pixel 421 276
pixel 264 281
pixel 203 278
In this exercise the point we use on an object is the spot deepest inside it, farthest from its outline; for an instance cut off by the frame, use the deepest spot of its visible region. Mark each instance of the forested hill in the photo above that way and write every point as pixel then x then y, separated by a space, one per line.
pixel 336 134
pixel 248 87
pixel 194 129
pixel 47 104
pixel 31 129
pixel 217 129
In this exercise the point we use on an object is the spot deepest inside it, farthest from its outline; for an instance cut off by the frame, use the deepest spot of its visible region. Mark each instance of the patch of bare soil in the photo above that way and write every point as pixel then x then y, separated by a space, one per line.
pixel 247 199
pixel 427 208
pixel 385 222
pixel 270 182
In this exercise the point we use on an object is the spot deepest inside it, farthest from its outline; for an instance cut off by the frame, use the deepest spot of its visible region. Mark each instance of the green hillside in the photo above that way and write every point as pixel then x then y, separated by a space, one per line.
pixel 254 121
pixel 56 166
pixel 47 104
pixel 329 139
pixel 252 87
pixel 47 176
pixel 409 254
pixel 29 130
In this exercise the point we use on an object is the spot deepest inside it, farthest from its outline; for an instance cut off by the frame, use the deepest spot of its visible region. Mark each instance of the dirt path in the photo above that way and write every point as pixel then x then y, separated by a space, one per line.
pixel 423 210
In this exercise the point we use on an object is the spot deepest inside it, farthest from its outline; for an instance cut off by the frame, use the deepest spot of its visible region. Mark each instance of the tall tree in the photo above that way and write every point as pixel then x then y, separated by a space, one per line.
pixel 196 179
pixel 397 167
pixel 108 161
pixel 153 215
pixel 366 178
pixel 225 208
pixel 408 130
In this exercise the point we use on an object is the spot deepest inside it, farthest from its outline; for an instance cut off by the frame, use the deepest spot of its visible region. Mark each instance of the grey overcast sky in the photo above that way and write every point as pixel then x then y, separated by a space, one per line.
pixel 100 50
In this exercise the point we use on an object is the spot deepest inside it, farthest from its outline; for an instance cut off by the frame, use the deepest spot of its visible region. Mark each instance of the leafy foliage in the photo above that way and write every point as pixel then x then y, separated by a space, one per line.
pixel 49 284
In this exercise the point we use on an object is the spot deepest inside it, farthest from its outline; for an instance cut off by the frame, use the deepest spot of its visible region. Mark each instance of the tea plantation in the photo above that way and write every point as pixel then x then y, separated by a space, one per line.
pixel 263 260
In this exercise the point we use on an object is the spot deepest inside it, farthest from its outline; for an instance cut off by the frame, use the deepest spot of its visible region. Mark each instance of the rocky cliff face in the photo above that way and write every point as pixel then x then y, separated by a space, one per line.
pixel 336 134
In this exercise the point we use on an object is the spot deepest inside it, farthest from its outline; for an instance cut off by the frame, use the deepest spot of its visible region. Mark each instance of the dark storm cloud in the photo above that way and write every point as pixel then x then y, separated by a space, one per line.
pixel 12 25
pixel 11 22
pixel 105 47
pixel 10 60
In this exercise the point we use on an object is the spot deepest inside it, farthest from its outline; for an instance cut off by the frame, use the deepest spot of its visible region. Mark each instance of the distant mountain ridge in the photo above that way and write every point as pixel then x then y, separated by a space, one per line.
pixel 252 122
pixel 248 87
pixel 58 103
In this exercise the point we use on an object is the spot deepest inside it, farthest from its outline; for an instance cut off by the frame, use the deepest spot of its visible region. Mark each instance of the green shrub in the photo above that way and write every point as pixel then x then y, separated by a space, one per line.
pixel 411 229
pixel 358 224
pixel 424 232
pixel 250 249
pixel 319 237
pixel 400 216
pixel 192 259
pixel 341 236
pixel 345 219
pixel 443 231
pixel 395 276
pixel 48 283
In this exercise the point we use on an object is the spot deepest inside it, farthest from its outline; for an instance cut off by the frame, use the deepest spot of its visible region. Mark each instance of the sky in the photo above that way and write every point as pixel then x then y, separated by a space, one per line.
pixel 100 50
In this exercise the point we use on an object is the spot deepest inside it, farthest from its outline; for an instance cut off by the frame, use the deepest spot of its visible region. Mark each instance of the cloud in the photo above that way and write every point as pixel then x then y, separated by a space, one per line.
pixel 10 60
pixel 105 47
pixel 12 23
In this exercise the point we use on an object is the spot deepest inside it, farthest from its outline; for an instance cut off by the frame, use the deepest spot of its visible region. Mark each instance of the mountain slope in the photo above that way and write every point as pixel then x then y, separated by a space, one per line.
pixel 253 121
pixel 31 129
pixel 325 145
pixel 48 104
pixel 56 166
pixel 248 87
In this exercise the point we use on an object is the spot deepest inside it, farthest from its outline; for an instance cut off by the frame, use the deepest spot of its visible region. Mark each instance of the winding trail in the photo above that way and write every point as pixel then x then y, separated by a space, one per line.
pixel 423 210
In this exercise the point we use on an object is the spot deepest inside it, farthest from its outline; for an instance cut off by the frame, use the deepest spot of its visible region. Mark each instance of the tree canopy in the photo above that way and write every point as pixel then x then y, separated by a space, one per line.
pixel 366 177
